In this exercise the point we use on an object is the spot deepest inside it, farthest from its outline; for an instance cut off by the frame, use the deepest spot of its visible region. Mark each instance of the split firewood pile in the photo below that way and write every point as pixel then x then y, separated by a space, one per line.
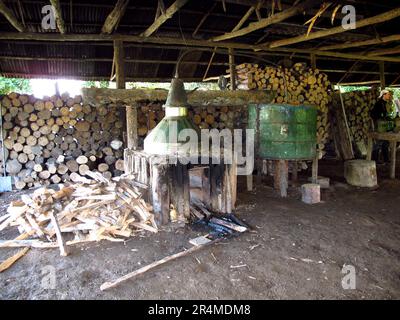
pixel 298 85
pixel 92 210
pixel 150 114
pixel 358 105
pixel 56 138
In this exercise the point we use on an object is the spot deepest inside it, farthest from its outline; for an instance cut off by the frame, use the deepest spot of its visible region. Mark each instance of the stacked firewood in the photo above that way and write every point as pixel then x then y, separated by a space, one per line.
pixel 358 105
pixel 298 85
pixel 91 210
pixel 150 114
pixel 52 139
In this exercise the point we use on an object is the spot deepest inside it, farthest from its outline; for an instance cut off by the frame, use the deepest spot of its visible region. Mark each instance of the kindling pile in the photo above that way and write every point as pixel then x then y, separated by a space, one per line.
pixel 91 210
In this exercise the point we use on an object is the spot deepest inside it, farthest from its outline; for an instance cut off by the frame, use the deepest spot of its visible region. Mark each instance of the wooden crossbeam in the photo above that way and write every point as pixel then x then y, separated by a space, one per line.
pixel 165 41
pixel 392 14
pixel 278 17
pixel 355 44
pixel 9 15
pixel 164 17
pixel 113 19
pixel 384 52
pixel 58 15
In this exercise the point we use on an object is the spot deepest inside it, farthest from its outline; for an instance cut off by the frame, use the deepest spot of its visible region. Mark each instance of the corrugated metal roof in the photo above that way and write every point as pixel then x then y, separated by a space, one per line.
pixel 94 60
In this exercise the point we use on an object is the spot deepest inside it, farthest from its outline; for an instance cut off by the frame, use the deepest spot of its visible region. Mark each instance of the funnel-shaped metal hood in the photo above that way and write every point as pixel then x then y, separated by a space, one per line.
pixel 164 138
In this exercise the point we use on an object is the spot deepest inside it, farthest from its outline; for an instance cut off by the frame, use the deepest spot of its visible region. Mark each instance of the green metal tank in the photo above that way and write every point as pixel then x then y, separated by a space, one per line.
pixel 286 132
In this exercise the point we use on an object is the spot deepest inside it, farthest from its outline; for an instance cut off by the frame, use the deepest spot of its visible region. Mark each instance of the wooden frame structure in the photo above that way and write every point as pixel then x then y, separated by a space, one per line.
pixel 248 17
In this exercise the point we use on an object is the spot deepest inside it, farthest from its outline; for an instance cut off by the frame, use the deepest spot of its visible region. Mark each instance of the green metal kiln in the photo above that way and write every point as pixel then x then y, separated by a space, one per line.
pixel 286 132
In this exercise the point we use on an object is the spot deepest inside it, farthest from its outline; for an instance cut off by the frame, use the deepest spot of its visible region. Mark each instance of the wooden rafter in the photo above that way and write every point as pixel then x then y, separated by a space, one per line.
pixel 58 15
pixel 165 41
pixel 114 17
pixel 392 14
pixel 203 19
pixel 354 44
pixel 384 52
pixel 278 17
pixel 9 15
pixel 164 17
pixel 244 18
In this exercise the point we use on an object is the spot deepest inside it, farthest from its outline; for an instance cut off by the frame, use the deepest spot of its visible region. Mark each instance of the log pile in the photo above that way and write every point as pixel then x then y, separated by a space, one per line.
pixel 151 113
pixel 53 139
pixel 296 86
pixel 358 105
pixel 92 210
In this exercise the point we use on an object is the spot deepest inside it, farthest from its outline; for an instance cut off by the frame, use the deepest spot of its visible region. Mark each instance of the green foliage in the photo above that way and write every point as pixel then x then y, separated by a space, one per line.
pixel 96 84
pixel 18 85
pixel 345 89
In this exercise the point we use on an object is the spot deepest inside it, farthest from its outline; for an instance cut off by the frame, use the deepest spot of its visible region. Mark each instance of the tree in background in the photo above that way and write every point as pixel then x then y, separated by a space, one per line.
pixel 96 84
pixel 19 85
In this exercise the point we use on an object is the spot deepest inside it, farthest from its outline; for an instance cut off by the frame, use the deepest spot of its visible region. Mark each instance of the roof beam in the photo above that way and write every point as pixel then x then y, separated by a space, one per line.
pixel 58 15
pixel 9 15
pixel 392 14
pixel 164 17
pixel 114 17
pixel 179 41
pixel 395 37
pixel 384 52
pixel 278 17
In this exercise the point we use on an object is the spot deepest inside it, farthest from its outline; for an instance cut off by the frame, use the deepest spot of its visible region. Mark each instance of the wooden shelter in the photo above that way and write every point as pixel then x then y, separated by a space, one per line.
pixel 90 38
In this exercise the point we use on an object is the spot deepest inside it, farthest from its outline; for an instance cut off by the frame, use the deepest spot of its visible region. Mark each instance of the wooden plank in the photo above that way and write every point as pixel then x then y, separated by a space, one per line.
pixel 179 186
pixel 60 239
pixel 160 194
pixel 134 274
pixel 11 260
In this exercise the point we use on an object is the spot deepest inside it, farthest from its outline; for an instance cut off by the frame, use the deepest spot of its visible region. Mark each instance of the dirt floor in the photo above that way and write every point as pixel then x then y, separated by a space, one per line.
pixel 296 251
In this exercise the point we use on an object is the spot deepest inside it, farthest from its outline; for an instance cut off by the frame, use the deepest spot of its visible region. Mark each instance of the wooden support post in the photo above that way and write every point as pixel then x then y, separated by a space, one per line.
pixel 393 146
pixel 313 59
pixel 216 177
pixel 249 182
pixel 295 172
pixel 232 69
pixel 281 177
pixel 369 148
pixel 179 185
pixel 206 187
pixel 382 74
pixel 314 177
pixel 160 196
pixel 131 125
pixel 119 60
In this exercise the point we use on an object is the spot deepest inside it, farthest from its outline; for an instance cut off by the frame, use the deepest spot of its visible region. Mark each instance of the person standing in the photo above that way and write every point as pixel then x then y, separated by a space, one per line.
pixel 383 110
